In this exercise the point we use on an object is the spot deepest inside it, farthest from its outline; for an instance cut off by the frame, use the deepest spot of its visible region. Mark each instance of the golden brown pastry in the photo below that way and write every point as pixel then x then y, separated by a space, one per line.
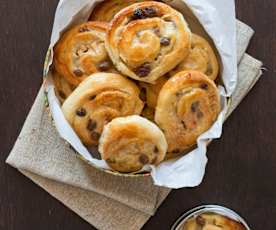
pixel 81 52
pixel 201 58
pixel 148 39
pixel 62 87
pixel 212 221
pixel 152 91
pixel 148 113
pixel 106 10
pixel 187 106
pixel 129 143
pixel 97 100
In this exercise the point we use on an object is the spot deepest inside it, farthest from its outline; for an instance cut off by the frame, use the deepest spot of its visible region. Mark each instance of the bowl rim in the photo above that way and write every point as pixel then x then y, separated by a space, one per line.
pixel 209 208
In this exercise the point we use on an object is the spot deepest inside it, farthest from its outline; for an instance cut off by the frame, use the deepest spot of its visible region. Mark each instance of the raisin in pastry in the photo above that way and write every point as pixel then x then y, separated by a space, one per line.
pixel 129 143
pixel 148 39
pixel 97 100
pixel 81 52
pixel 187 106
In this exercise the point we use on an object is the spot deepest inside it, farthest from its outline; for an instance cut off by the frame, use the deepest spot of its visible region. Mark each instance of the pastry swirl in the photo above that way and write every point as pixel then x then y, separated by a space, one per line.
pixel 81 52
pixel 201 58
pixel 97 100
pixel 129 143
pixel 148 39
pixel 106 10
pixel 187 106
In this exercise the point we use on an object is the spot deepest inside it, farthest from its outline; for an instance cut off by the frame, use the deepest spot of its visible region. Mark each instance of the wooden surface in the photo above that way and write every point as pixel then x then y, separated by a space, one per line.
pixel 242 164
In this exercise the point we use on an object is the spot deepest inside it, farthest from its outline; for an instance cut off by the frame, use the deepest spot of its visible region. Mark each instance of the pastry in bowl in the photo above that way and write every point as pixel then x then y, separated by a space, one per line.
pixel 148 113
pixel 81 52
pixel 212 221
pixel 62 87
pixel 148 39
pixel 97 100
pixel 106 10
pixel 187 106
pixel 129 143
pixel 201 58
pixel 152 91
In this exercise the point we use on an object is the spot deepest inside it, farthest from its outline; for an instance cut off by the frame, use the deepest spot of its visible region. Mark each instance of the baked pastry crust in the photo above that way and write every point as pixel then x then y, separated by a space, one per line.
pixel 97 100
pixel 148 113
pixel 146 40
pixel 201 58
pixel 106 10
pixel 129 143
pixel 81 52
pixel 152 91
pixel 62 87
pixel 212 221
pixel 187 106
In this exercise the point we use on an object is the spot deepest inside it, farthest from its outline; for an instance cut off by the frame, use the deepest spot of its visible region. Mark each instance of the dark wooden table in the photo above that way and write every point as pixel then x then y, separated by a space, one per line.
pixel 242 164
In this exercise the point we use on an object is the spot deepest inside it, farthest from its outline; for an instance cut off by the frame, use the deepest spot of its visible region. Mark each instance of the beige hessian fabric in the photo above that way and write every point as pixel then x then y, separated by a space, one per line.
pixel 105 201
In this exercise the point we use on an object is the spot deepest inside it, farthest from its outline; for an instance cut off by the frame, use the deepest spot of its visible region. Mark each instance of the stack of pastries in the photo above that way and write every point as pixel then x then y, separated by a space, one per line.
pixel 136 82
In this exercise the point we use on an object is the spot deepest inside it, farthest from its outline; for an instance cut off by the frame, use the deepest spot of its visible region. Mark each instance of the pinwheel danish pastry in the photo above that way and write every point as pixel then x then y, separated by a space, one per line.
pixel 201 58
pixel 129 143
pixel 106 10
pixel 188 105
pixel 148 39
pixel 81 52
pixel 97 100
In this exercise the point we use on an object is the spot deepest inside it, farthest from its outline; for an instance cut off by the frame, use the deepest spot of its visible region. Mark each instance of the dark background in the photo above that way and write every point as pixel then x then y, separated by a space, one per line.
pixel 242 164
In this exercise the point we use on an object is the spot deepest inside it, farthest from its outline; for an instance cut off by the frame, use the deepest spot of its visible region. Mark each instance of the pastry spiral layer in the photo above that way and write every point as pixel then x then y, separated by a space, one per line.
pixel 106 10
pixel 201 58
pixel 97 100
pixel 188 105
pixel 81 52
pixel 148 39
pixel 129 143
pixel 62 87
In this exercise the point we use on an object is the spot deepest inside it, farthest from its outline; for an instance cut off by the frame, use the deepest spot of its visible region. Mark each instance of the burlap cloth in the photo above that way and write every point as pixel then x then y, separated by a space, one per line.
pixel 105 201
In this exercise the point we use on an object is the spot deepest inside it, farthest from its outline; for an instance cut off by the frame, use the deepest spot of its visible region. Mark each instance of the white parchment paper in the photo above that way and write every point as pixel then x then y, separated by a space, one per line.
pixel 218 19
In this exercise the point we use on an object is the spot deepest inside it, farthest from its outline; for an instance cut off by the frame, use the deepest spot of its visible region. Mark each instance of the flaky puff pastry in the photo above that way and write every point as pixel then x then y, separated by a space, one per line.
pixel 201 58
pixel 148 39
pixel 212 221
pixel 187 106
pixel 62 87
pixel 106 10
pixel 81 52
pixel 97 100
pixel 129 143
